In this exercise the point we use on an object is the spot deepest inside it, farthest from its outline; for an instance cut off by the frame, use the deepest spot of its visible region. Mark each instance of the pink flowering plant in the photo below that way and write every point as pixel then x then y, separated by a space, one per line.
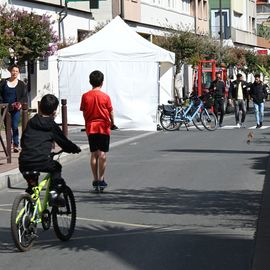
pixel 30 35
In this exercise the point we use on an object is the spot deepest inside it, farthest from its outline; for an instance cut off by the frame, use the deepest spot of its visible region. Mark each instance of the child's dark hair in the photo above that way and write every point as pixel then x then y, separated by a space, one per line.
pixel 96 78
pixel 48 104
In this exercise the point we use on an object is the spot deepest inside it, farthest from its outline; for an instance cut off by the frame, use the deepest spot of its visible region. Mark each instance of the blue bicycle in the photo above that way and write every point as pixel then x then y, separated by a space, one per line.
pixel 172 117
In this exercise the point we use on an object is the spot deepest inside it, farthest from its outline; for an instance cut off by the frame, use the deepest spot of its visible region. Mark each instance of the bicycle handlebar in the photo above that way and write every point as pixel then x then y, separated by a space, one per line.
pixel 52 154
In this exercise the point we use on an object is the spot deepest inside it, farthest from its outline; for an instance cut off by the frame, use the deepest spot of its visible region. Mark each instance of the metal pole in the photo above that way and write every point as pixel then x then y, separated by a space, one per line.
pixel 8 136
pixel 220 24
pixel 64 116
pixel 24 115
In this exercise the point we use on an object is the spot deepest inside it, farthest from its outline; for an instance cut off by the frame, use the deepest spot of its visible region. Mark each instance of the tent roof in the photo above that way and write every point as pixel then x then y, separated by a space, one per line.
pixel 116 42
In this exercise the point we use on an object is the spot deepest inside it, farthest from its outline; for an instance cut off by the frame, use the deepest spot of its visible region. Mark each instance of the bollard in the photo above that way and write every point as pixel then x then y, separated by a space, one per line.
pixel 38 110
pixel 8 136
pixel 24 115
pixel 64 117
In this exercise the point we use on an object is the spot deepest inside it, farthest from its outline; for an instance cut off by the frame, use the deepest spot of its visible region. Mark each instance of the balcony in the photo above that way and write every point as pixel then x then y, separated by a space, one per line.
pixel 243 37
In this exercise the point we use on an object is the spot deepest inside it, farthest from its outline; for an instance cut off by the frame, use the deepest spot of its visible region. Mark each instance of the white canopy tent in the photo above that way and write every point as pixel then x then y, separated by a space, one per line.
pixel 132 67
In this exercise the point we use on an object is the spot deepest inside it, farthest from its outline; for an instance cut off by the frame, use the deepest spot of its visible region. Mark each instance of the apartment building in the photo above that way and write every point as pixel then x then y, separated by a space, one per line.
pixel 238 22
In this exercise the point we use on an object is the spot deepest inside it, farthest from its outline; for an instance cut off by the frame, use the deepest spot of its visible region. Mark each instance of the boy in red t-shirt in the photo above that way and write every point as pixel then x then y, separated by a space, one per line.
pixel 98 115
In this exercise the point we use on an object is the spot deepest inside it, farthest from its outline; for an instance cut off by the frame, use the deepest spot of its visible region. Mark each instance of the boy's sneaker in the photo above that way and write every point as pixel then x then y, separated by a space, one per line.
pixel 56 200
pixel 95 183
pixel 103 184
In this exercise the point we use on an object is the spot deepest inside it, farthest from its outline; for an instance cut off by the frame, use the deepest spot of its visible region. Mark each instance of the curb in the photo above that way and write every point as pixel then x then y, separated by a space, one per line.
pixel 13 177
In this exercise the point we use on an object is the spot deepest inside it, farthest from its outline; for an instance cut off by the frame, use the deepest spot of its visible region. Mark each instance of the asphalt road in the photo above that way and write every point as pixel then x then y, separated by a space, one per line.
pixel 176 200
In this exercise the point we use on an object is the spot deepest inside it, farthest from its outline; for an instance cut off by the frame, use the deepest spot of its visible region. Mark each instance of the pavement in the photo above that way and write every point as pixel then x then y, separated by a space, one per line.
pixel 10 175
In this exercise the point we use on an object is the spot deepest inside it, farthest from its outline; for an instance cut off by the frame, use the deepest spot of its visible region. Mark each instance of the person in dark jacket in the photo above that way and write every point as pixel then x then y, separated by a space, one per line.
pixel 258 94
pixel 13 91
pixel 238 92
pixel 37 141
pixel 217 90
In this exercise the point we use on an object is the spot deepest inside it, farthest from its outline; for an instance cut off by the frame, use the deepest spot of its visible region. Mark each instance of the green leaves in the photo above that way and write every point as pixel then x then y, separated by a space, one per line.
pixel 30 35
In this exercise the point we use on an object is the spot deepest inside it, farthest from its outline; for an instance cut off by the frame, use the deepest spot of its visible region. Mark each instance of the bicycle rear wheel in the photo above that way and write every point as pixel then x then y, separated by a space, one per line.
pixel 167 123
pixel 64 218
pixel 209 120
pixel 197 122
pixel 22 230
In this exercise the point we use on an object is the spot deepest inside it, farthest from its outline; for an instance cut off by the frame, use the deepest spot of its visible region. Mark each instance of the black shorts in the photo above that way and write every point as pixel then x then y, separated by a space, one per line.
pixel 99 142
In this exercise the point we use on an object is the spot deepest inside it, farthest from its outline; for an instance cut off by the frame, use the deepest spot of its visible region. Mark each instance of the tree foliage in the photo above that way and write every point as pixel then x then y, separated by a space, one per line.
pixel 189 47
pixel 30 35
pixel 263 31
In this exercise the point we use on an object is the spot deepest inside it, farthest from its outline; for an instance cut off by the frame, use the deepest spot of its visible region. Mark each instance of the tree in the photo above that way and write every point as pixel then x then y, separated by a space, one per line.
pixel 183 43
pixel 29 35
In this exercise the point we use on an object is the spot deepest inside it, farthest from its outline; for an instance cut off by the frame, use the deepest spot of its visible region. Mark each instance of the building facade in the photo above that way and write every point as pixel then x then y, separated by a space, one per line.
pixel 238 24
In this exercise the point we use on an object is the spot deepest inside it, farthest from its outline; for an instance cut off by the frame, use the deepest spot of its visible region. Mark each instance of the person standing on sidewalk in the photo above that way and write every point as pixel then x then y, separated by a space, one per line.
pixel 217 90
pixel 258 93
pixel 239 94
pixel 99 120
pixel 13 91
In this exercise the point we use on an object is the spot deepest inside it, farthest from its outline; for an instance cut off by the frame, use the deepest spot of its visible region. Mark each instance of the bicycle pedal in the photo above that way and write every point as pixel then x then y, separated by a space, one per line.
pixel 33 236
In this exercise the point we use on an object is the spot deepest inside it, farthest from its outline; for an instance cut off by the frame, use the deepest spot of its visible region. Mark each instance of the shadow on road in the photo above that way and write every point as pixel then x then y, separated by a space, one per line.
pixel 147 249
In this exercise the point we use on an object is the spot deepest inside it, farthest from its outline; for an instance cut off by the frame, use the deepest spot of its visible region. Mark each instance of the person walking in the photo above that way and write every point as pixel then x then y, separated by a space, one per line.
pixel 258 94
pixel 13 91
pixel 238 92
pixel 217 90
pixel 99 120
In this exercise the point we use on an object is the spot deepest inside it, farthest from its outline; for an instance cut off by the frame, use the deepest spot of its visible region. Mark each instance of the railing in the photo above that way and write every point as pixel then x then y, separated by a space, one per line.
pixel 5 125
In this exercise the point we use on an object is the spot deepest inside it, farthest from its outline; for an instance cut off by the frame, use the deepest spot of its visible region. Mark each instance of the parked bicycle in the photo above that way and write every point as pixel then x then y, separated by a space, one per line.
pixel 197 113
pixel 30 210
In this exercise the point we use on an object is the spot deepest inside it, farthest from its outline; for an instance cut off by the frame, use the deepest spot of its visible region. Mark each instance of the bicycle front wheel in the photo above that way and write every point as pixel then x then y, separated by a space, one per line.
pixel 64 218
pixel 209 120
pixel 167 123
pixel 22 230
pixel 197 122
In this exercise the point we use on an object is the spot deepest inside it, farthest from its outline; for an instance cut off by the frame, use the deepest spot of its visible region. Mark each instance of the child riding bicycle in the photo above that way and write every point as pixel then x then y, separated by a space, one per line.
pixel 36 144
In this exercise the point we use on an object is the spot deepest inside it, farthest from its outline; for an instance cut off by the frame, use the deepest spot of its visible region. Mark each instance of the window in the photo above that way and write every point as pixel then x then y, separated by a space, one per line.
pixel 186 6
pixel 43 64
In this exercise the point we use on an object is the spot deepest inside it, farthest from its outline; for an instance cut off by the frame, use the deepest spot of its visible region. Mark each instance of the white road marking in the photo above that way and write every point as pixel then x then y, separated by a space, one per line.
pixel 263 127
pixel 136 225
pixel 116 222
pixel 5 210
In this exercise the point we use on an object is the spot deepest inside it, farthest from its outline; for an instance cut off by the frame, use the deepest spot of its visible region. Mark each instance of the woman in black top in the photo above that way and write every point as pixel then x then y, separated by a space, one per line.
pixel 13 91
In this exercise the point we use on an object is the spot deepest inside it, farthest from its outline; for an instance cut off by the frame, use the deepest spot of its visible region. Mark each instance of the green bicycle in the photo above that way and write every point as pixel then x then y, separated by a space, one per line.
pixel 29 210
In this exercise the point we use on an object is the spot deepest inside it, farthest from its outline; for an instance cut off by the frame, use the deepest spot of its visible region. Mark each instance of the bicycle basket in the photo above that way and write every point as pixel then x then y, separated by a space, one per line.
pixel 168 109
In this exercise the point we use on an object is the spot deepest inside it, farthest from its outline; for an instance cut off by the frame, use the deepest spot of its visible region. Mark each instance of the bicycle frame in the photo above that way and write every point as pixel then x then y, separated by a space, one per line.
pixel 183 114
pixel 39 206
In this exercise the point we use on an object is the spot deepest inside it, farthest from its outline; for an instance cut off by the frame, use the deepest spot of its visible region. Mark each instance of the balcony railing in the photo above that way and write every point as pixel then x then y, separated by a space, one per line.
pixel 263 8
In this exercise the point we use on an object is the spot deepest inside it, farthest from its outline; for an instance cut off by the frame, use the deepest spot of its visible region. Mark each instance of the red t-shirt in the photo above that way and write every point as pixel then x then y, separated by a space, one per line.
pixel 96 107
